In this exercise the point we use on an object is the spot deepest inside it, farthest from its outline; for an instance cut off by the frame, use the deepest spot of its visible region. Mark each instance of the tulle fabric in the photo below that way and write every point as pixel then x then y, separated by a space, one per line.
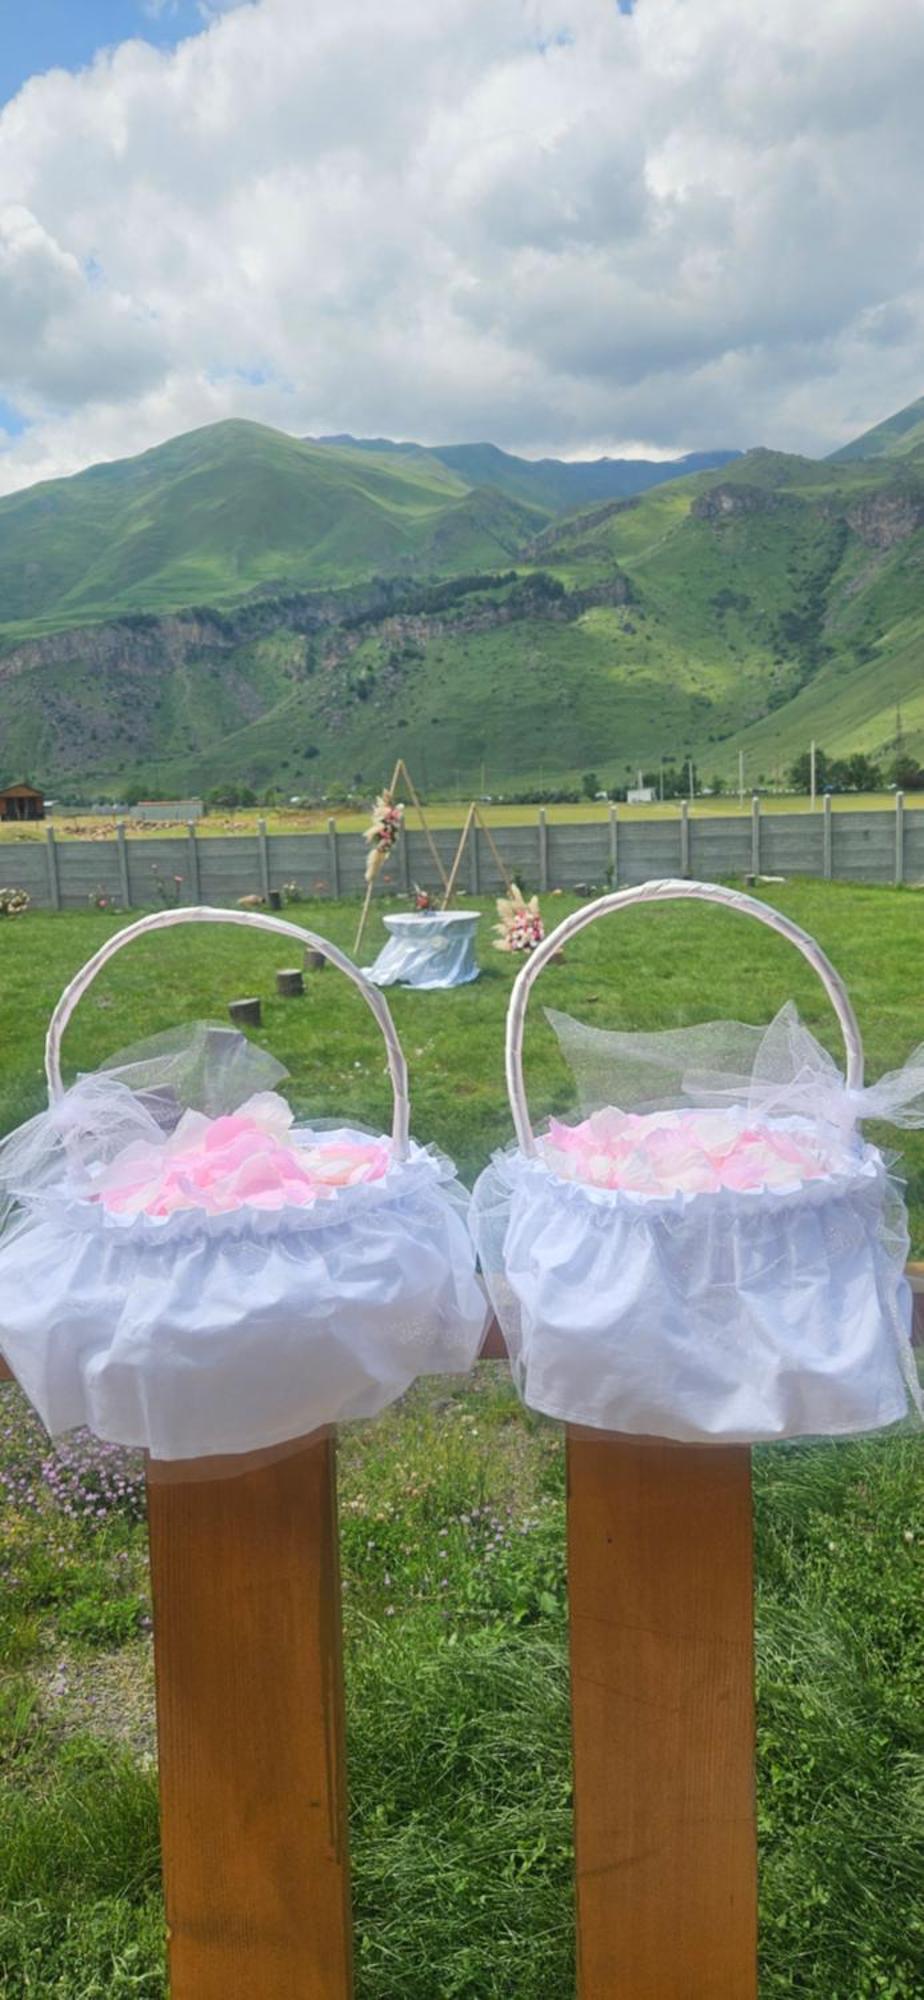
pixel 707 1312
pixel 200 1331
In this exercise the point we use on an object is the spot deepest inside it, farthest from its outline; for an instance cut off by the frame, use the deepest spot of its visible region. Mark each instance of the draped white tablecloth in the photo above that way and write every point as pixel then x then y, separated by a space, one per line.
pixel 428 948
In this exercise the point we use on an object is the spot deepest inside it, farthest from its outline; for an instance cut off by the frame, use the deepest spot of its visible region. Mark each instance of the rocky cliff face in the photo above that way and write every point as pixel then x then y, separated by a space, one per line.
pixel 883 519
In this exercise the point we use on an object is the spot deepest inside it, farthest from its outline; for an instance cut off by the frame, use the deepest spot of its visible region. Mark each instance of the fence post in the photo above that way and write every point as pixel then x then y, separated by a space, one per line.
pixel 543 850
pixel 662 1690
pixel 125 889
pixel 755 834
pixel 614 846
pixel 827 830
pixel 192 851
pixel 263 859
pixel 247 1647
pixel 334 857
pixel 54 880
pixel 684 836
pixel 899 839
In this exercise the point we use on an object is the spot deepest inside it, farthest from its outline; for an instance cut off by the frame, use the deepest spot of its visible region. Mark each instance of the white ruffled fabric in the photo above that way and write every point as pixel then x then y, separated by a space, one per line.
pixel 723 1317
pixel 192 1333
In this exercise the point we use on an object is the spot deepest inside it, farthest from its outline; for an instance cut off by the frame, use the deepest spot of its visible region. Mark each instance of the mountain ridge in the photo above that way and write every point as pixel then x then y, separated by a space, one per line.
pixel 241 603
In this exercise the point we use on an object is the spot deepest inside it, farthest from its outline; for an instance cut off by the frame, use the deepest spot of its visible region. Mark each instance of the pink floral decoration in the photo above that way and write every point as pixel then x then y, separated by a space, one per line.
pixel 252 1158
pixel 686 1152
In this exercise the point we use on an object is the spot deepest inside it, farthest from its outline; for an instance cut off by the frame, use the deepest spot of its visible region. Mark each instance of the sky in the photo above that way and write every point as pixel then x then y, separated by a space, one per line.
pixel 568 226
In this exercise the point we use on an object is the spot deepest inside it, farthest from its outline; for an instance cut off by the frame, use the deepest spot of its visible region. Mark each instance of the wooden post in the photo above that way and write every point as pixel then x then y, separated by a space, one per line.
pixel 54 880
pixel 454 870
pixel 755 836
pixel 684 837
pixel 334 857
pixel 192 857
pixel 614 847
pixel 899 839
pixel 474 873
pixel 543 850
pixel 250 1727
pixel 828 843
pixel 661 1597
pixel 263 858
pixel 122 852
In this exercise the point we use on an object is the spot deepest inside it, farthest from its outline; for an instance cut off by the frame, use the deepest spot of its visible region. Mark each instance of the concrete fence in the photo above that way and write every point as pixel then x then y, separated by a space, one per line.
pixel 546 854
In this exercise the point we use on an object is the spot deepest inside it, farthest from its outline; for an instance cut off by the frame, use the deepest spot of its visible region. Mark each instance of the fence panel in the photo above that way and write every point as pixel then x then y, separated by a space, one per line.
pixel 792 844
pixel 153 868
pixel 863 847
pixel 86 869
pixel 914 847
pixel 24 865
pixel 647 849
pixel 578 854
pixel 719 848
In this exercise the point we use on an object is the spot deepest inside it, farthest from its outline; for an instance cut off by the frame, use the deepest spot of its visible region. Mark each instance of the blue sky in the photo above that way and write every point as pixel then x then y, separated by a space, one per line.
pixel 37 35
pixel 569 226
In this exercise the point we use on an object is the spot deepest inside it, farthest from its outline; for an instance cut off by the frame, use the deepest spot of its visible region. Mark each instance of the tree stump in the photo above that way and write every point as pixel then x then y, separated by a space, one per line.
pixel 289 982
pixel 245 1013
pixel 315 961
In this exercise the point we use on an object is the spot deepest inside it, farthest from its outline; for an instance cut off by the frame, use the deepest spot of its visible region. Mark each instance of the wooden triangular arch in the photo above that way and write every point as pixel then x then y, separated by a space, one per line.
pixel 474 818
pixel 401 772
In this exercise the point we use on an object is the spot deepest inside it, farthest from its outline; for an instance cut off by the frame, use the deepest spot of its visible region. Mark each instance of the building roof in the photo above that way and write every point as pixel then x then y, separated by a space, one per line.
pixel 22 790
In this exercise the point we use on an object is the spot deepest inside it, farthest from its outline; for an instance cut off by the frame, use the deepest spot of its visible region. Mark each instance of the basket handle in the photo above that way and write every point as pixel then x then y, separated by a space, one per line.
pixel 667 892
pixel 163 920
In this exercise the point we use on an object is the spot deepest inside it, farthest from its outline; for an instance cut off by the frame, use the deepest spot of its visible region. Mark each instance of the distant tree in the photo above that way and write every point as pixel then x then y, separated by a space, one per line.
pixel 905 774
pixel 862 774
pixel 717 785
pixel 590 784
pixel 800 773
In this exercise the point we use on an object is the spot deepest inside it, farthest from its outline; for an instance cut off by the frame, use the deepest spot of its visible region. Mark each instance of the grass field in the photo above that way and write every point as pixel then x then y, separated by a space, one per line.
pixel 445 813
pixel 452 1525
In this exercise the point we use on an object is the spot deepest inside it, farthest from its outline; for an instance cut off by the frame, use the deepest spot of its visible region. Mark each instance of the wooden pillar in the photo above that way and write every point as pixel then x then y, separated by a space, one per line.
pixel 614 847
pixel 247 1643
pixel 755 835
pixel 828 862
pixel 899 839
pixel 684 837
pixel 661 1598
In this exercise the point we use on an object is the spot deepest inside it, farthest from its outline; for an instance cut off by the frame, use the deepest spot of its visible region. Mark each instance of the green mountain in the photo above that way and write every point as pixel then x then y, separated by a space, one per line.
pixel 892 439
pixel 230 509
pixel 557 485
pixel 239 604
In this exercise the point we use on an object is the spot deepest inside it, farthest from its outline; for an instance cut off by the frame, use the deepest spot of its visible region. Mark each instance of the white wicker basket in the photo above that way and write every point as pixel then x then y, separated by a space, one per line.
pixel 198 1332
pixel 730 1314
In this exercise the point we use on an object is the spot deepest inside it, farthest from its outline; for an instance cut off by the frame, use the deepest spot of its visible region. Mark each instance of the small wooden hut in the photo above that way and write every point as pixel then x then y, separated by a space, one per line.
pixel 21 802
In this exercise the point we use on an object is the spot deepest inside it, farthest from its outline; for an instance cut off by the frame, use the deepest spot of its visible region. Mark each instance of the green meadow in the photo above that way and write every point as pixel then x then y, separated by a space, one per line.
pixel 452 1520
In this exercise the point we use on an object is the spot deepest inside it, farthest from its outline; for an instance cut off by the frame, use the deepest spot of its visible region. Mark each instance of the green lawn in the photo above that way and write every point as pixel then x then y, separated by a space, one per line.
pixel 452 1525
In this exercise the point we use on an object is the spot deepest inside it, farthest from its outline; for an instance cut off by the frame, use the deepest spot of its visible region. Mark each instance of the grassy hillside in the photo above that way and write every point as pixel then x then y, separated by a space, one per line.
pixel 229 509
pixel 897 434
pixel 751 607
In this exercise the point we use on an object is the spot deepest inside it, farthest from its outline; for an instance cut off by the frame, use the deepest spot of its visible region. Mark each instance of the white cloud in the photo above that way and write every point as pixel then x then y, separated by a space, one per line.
pixel 556 225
